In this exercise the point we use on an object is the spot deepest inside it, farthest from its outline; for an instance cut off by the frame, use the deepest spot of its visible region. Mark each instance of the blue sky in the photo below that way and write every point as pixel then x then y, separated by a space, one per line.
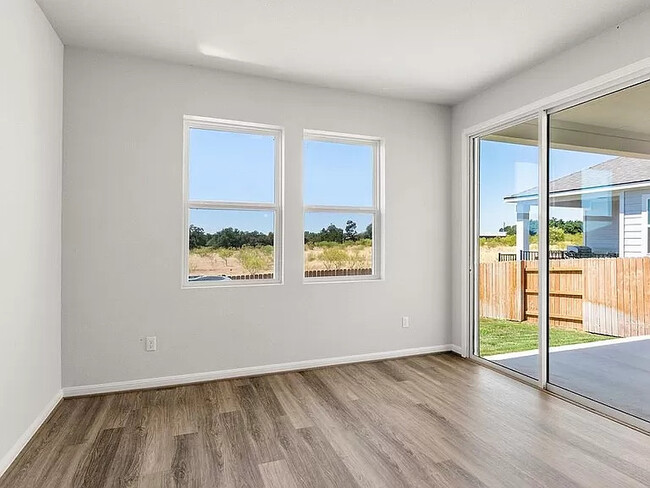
pixel 506 169
pixel 237 167
pixel 230 166
pixel 337 174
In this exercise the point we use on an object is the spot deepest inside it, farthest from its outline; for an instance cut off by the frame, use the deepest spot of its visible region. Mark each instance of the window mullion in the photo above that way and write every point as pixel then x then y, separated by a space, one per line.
pixel 339 209
pixel 232 205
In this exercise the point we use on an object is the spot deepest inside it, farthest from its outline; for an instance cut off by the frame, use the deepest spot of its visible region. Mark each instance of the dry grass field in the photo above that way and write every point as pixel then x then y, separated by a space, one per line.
pixel 346 256
pixel 213 264
pixel 490 247
pixel 248 260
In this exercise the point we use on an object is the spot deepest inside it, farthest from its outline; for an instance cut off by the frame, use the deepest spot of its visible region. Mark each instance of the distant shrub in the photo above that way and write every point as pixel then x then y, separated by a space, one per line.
pixel 202 251
pixel 555 235
pixel 326 244
pixel 356 249
pixel 559 238
pixel 359 244
pixel 267 250
pixel 504 241
pixel 254 260
pixel 365 242
pixel 574 239
pixel 226 253
pixel 356 260
pixel 334 257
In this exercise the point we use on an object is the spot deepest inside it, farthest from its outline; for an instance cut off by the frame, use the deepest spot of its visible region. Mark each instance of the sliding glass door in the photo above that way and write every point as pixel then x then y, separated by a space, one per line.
pixel 561 251
pixel 507 172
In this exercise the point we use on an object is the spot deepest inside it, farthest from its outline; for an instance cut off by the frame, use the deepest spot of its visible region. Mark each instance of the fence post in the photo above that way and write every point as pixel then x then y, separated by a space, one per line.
pixel 521 288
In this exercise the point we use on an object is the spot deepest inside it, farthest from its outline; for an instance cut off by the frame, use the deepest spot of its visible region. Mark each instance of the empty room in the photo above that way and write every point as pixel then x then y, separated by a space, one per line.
pixel 304 244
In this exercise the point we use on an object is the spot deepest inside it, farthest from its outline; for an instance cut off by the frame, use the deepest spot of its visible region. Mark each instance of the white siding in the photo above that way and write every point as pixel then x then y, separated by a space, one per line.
pixel 601 225
pixel 634 228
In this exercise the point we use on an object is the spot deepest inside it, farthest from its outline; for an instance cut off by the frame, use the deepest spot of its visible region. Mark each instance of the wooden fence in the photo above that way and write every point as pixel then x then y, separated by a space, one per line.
pixel 604 296
pixel 254 276
pixel 312 273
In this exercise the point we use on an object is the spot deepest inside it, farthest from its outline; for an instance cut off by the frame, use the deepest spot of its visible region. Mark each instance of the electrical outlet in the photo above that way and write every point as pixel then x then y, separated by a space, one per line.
pixel 151 343
pixel 405 322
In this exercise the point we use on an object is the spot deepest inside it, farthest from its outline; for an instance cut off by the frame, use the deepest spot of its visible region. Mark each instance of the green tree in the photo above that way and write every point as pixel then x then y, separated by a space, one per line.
pixel 350 231
pixel 331 234
pixel 311 237
pixel 568 226
pixel 236 238
pixel 573 227
pixel 227 237
pixel 198 237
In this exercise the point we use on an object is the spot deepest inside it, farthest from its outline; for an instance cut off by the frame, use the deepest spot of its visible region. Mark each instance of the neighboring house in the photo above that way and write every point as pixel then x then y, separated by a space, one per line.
pixel 615 200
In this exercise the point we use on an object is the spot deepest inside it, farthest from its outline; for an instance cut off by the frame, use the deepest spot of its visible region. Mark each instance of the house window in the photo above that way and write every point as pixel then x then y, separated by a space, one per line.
pixel 342 210
pixel 232 203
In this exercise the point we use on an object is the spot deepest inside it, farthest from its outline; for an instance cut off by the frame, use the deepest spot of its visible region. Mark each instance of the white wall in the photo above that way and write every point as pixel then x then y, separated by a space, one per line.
pixel 123 221
pixel 614 49
pixel 31 90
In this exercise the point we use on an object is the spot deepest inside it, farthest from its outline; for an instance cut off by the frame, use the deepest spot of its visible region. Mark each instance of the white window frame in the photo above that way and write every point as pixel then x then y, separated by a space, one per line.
pixel 195 122
pixel 376 209
pixel 645 224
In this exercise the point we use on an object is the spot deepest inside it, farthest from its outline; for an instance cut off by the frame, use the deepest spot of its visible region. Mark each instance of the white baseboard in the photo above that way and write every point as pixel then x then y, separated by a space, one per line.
pixel 20 444
pixel 184 379
pixel 457 349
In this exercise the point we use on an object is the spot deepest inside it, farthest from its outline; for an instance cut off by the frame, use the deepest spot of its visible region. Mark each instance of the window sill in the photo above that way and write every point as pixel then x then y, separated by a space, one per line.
pixel 342 279
pixel 230 284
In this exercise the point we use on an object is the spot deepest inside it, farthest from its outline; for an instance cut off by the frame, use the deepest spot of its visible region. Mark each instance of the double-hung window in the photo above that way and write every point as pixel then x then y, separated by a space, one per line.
pixel 342 206
pixel 232 203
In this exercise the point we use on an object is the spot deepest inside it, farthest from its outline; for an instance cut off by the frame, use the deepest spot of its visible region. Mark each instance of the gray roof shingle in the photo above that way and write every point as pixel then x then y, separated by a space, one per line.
pixel 614 172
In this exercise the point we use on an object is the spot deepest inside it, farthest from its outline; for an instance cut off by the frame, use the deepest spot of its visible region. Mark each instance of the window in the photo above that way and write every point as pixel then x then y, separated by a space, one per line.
pixel 342 211
pixel 232 195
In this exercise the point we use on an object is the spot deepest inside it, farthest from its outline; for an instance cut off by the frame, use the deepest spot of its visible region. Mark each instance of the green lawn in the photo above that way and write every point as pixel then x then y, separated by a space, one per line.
pixel 502 336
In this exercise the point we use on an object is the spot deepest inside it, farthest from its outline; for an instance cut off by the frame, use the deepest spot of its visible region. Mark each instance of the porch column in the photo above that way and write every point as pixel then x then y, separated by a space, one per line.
pixel 523 228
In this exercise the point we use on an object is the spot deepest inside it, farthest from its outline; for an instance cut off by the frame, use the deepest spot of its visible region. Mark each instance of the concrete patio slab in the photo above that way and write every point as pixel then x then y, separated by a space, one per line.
pixel 615 373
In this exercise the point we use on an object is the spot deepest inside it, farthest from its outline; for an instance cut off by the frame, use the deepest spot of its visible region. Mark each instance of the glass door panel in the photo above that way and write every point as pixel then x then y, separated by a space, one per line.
pixel 506 248
pixel 599 264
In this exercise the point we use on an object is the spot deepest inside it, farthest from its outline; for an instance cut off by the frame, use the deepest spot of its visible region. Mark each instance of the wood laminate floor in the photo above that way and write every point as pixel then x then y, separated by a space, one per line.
pixel 429 421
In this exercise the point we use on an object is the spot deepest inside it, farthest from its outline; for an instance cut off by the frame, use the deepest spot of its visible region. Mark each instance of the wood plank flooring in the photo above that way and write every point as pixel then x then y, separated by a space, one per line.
pixel 429 421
